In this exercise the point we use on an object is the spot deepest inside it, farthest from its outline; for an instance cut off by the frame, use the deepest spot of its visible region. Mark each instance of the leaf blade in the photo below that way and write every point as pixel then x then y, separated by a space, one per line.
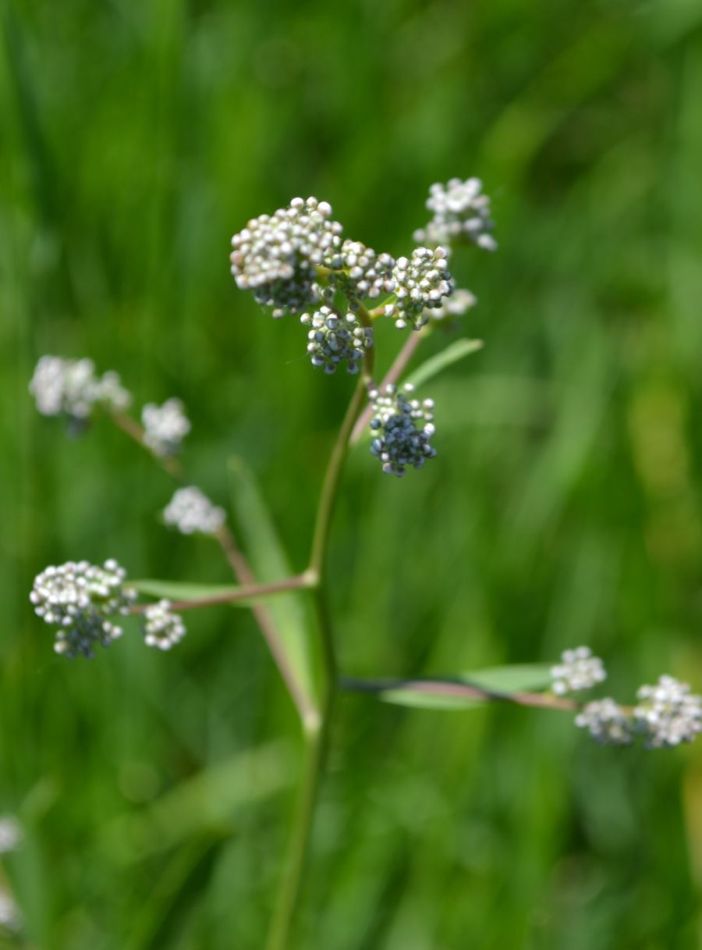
pixel 454 352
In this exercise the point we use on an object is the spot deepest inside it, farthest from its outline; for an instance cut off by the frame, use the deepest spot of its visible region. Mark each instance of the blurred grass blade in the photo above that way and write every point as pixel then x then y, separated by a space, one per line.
pixel 207 803
pixel 436 364
pixel 410 697
pixel 270 563
pixel 175 590
pixel 510 679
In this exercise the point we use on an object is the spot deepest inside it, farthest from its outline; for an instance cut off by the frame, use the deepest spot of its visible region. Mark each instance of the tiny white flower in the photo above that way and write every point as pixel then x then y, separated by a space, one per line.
pixel 460 211
pixel 668 713
pixel 578 670
pixel 606 721
pixel 165 426
pixel 190 511
pixel 162 628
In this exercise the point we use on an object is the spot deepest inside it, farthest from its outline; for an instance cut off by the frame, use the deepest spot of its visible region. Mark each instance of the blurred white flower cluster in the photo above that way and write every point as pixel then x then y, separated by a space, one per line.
pixel 71 387
pixel 190 511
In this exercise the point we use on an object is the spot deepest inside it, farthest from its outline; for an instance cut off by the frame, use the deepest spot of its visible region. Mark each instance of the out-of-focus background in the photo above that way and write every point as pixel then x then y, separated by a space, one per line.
pixel 564 506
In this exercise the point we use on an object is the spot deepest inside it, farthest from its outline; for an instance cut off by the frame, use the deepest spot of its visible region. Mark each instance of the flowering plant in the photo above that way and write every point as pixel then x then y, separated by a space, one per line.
pixel 297 263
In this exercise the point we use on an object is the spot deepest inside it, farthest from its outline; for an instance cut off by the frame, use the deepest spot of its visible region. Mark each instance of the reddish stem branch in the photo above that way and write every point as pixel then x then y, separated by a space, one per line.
pixel 458 688
pixel 136 432
pixel 241 570
pixel 245 592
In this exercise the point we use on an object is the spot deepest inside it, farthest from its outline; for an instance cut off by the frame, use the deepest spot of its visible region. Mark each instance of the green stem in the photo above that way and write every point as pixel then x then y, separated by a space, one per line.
pixel 316 735
pixel 330 487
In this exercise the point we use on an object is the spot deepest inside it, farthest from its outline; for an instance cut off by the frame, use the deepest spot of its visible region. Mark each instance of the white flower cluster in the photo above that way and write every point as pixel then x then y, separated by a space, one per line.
pixel 190 511
pixel 162 628
pixel 606 721
pixel 456 304
pixel 461 211
pixel 360 272
pixel 275 256
pixel 667 713
pixel 333 339
pixel 72 388
pixel 421 283
pixel 80 597
pixel 165 426
pixel 10 833
pixel 578 670
pixel 402 428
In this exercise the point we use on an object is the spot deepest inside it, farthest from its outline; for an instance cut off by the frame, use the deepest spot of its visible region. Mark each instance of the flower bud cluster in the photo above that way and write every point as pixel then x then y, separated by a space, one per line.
pixel 361 273
pixel 606 722
pixel 667 713
pixel 461 211
pixel 70 387
pixel 421 284
pixel 80 597
pixel 402 428
pixel 334 339
pixel 190 511
pixel 165 426
pixel 276 256
pixel 578 670
pixel 162 628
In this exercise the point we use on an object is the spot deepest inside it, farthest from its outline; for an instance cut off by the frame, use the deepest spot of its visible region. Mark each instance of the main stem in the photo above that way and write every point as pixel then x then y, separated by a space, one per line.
pixel 317 734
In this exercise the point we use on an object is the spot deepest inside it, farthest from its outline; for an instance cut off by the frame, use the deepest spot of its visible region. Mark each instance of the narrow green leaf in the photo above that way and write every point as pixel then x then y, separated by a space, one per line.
pixel 436 364
pixel 509 679
pixel 177 590
pixel 270 563
pixel 212 799
pixel 410 697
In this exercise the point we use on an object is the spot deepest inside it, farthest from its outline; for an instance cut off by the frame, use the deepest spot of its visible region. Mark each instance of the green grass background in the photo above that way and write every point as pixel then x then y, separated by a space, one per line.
pixel 564 506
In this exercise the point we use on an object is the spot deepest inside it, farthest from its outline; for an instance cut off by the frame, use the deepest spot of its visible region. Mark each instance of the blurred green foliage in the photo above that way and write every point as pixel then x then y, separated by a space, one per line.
pixel 564 507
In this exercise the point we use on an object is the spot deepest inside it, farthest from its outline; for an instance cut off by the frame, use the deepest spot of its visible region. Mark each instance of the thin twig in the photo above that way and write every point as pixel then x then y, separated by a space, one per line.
pixel 245 592
pixel 136 432
pixel 240 568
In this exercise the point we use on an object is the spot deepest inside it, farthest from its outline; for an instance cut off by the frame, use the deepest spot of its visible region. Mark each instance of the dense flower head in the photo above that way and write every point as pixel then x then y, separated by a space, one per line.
pixel 402 428
pixel 165 426
pixel 70 387
pixel 421 283
pixel 460 211
pixel 162 628
pixel 578 670
pixel 80 598
pixel 360 272
pixel 606 721
pixel 190 511
pixel 276 255
pixel 667 713
pixel 333 339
